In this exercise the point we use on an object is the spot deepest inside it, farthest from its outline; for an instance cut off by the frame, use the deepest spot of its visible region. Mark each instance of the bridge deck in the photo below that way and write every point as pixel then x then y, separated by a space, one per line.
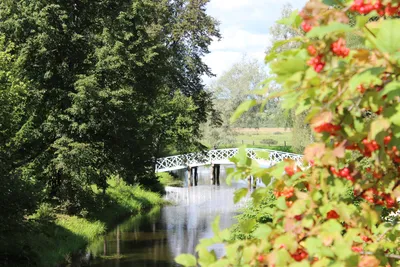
pixel 223 156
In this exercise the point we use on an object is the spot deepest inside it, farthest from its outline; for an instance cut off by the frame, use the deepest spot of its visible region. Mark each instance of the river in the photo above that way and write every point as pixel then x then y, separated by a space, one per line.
pixel 155 239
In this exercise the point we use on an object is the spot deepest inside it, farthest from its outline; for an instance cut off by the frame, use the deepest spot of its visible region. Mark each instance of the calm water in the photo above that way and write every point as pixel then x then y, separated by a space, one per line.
pixel 157 238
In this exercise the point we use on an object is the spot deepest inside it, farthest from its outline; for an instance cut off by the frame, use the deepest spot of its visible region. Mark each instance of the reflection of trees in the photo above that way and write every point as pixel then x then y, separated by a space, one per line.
pixel 158 237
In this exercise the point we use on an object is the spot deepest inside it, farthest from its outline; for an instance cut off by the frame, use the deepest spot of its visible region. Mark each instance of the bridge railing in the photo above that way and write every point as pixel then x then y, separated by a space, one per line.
pixel 221 156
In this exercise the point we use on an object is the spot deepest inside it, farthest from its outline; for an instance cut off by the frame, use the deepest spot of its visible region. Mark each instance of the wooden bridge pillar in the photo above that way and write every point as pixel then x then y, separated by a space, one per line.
pixel 189 176
pixel 195 176
pixel 192 176
pixel 215 173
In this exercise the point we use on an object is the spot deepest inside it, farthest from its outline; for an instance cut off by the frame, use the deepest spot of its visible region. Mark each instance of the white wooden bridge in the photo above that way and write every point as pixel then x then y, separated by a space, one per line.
pixel 222 156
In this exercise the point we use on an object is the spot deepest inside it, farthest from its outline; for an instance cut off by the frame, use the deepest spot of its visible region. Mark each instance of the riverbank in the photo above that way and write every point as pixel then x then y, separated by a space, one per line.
pixel 50 238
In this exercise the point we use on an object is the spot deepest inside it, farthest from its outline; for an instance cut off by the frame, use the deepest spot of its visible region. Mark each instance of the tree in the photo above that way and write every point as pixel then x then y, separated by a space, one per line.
pixel 229 91
pixel 99 73
pixel 352 100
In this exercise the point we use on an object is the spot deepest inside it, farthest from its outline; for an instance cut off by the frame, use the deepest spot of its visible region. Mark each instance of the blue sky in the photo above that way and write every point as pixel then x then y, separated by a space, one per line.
pixel 245 30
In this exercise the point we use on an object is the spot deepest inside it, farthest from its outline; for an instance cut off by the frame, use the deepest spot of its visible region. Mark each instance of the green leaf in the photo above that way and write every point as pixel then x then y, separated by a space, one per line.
pixel 342 249
pixel 281 203
pixel 288 66
pixel 206 257
pixel 379 125
pixel 362 20
pixel 278 170
pixel 239 194
pixel 262 231
pixel 247 225
pixel 368 77
pixel 215 225
pixel 332 226
pixel 293 20
pixel 334 27
pixel 300 264
pixel 187 260
pixel 221 263
pixel 391 90
pixel 245 106
pixel 388 37
pixel 258 195
pixel 329 3
pixel 313 245
pixel 395 118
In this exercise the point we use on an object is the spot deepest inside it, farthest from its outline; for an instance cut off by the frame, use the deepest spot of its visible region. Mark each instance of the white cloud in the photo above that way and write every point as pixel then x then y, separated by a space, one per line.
pixel 239 40
pixel 245 30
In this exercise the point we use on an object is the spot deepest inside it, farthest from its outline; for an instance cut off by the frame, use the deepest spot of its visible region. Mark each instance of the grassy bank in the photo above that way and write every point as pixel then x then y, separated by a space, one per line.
pixel 167 179
pixel 51 238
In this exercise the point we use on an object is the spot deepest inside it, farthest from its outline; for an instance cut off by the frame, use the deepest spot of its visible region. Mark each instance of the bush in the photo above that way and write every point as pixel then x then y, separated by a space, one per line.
pixel 269 142
pixel 331 212
pixel 169 179
pixel 45 213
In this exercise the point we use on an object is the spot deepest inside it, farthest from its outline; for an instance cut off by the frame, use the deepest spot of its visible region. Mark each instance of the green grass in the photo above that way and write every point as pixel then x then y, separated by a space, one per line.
pixel 166 179
pixel 256 139
pixel 52 241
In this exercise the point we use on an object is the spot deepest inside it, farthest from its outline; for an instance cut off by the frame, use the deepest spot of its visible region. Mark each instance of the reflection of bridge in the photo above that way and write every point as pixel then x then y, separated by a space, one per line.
pixel 222 156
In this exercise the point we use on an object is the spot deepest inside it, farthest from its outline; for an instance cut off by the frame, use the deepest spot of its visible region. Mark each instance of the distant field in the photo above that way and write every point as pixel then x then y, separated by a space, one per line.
pixel 254 136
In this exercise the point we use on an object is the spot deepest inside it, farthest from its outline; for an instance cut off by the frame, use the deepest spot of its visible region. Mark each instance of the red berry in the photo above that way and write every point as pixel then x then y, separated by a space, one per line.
pixel 299 255
pixel 357 249
pixel 387 139
pixel 289 170
pixel 306 26
pixel 261 258
pixel 311 50
pixel 332 215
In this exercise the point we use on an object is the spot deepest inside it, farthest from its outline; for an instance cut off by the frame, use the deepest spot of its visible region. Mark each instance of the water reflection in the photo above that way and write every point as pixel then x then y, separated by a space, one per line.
pixel 157 238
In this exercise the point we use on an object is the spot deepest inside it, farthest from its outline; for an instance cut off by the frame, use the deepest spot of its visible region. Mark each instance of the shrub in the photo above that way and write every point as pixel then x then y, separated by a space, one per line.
pixel 270 142
pixel 351 101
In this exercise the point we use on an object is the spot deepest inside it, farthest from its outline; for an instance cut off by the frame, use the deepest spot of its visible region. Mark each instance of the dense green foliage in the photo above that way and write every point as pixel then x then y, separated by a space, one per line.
pixel 94 89
pixel 351 98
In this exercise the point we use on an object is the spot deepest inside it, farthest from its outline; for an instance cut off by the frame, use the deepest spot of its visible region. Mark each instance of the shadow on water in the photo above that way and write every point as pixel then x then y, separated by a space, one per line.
pixel 155 239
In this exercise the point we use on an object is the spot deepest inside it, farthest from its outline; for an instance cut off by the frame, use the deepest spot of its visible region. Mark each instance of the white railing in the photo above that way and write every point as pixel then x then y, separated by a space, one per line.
pixel 221 156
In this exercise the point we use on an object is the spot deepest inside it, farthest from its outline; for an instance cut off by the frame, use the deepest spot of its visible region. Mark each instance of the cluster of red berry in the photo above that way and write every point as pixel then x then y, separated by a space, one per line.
pixel 332 215
pixel 357 249
pixel 299 255
pixel 317 63
pixel 339 48
pixel 287 192
pixel 373 196
pixel 307 24
pixel 366 7
pixel 328 128
pixel 344 173
pixel 369 147
pixel 291 170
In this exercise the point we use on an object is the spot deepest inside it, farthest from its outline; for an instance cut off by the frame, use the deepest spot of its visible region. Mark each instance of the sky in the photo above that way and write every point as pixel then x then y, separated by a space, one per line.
pixel 244 25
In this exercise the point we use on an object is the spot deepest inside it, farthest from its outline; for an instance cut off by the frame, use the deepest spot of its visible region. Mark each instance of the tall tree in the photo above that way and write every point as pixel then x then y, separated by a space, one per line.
pixel 229 91
pixel 99 72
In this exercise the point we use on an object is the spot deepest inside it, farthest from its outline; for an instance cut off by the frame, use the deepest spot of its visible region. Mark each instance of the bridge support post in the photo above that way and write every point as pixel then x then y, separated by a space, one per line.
pixel 215 171
pixel 189 176
pixel 195 176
